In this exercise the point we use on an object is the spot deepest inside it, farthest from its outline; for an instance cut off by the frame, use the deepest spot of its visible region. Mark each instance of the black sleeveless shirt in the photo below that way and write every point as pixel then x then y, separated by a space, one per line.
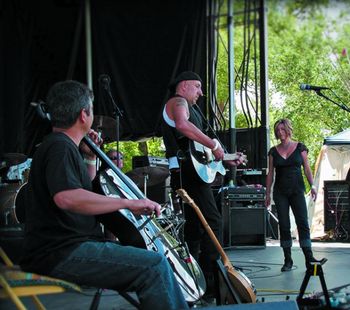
pixel 175 141
pixel 289 178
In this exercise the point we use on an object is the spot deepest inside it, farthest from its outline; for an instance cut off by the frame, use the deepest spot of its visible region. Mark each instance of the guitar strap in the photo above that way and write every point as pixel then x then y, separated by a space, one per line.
pixel 207 125
pixel 196 118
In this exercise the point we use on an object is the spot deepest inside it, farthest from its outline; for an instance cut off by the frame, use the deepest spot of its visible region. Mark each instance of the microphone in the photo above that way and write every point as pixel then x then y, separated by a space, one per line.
pixel 104 80
pixel 310 87
pixel 41 109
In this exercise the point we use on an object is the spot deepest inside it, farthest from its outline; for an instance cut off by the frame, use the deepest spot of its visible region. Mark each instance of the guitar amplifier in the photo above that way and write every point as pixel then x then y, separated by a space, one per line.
pixel 244 216
pixel 244 226
pixel 149 161
pixel 245 193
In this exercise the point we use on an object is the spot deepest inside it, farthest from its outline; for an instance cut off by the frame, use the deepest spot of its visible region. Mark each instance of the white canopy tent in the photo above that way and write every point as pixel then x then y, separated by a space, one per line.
pixel 333 163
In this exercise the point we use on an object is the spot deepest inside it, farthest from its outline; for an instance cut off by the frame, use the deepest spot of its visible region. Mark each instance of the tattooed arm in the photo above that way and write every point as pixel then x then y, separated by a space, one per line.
pixel 177 109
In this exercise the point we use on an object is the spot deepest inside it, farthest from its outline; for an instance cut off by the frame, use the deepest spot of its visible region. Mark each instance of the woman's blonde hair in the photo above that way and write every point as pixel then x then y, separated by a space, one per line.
pixel 287 126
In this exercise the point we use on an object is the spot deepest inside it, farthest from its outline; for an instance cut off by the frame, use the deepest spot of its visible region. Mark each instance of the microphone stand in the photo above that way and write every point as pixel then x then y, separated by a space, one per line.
pixel 340 105
pixel 117 113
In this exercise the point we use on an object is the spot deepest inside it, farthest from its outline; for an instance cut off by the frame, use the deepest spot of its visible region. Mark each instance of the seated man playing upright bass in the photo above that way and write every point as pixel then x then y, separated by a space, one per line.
pixel 63 239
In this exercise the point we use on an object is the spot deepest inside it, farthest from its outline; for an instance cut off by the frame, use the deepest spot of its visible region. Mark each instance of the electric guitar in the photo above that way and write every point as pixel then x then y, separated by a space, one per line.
pixel 238 279
pixel 205 164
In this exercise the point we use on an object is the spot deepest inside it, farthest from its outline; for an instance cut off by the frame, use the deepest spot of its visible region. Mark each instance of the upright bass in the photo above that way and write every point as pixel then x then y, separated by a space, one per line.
pixel 145 231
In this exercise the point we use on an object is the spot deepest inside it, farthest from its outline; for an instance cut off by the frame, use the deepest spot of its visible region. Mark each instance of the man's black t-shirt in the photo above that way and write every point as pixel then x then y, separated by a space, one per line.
pixel 51 233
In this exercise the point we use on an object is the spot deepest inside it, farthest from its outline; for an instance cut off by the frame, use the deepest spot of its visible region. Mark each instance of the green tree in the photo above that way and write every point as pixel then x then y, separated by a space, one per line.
pixel 305 45
pixel 152 147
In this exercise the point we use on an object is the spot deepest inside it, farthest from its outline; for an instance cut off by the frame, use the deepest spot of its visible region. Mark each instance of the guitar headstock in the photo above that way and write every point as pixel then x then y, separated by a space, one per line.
pixel 183 194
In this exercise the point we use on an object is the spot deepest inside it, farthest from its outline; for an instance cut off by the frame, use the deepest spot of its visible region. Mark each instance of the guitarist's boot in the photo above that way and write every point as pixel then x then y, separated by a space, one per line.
pixel 210 293
pixel 288 262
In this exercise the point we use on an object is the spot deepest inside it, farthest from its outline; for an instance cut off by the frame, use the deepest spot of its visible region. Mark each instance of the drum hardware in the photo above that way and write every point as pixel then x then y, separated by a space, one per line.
pixel 148 176
pixel 170 221
pixel 106 126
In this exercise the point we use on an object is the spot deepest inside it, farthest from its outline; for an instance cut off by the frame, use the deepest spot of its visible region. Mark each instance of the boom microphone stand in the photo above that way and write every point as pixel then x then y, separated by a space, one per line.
pixel 341 105
pixel 105 81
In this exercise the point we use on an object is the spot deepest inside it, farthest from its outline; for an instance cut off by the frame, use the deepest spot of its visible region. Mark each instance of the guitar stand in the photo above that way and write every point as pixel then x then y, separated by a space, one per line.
pixel 222 274
pixel 315 269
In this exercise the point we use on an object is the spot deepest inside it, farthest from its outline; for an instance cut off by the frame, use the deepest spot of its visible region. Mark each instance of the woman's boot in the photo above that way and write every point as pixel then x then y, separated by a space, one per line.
pixel 309 257
pixel 288 262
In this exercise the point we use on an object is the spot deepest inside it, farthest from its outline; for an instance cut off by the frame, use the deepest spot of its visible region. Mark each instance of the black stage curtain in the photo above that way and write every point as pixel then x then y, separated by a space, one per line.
pixel 36 45
pixel 140 44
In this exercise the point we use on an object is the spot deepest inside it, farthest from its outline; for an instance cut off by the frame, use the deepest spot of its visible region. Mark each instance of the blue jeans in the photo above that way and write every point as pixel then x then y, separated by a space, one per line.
pixel 113 266
pixel 298 205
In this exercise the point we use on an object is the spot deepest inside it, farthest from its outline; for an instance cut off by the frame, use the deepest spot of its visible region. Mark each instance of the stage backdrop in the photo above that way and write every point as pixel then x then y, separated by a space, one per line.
pixel 140 44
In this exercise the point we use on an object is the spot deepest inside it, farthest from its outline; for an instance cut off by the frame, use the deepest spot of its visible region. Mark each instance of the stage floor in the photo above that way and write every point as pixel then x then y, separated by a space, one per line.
pixel 261 265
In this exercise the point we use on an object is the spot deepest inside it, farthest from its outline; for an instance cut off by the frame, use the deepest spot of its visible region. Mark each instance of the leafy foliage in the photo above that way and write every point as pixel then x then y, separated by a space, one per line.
pixel 130 149
pixel 305 45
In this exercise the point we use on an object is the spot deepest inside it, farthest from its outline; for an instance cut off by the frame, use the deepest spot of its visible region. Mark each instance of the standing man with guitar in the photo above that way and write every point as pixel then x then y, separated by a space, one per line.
pixel 182 125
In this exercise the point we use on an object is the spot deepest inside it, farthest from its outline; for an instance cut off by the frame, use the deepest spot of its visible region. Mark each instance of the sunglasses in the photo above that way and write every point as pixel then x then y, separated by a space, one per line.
pixel 116 157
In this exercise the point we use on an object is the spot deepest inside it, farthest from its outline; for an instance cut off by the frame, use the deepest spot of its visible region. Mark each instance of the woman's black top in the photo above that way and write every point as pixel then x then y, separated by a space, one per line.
pixel 289 178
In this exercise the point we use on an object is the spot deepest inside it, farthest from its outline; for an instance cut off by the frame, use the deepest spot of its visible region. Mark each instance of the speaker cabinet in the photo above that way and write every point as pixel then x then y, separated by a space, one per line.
pixel 337 208
pixel 244 226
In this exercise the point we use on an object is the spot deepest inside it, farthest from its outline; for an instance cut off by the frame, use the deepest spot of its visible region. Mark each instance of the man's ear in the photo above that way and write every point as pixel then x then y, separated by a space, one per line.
pixel 83 116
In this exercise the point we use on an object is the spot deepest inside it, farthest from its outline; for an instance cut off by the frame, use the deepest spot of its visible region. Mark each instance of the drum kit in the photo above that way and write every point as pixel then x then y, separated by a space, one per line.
pixel 14 173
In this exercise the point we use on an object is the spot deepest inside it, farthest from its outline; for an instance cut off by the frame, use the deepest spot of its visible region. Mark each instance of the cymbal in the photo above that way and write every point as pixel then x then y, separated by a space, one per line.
pixel 106 125
pixel 12 159
pixel 155 175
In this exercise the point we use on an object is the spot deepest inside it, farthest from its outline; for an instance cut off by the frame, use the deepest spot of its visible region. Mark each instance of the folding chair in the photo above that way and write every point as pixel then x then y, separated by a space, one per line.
pixel 15 283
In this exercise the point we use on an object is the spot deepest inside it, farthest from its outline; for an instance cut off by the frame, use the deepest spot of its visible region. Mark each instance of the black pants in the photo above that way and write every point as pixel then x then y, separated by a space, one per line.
pixel 200 245
pixel 295 201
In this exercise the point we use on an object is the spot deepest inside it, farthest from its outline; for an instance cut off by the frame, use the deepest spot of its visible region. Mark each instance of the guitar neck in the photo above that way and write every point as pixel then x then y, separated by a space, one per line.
pixel 234 156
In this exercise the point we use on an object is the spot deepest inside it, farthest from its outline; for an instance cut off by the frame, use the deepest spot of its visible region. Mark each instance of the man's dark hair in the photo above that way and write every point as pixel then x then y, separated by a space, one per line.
pixel 65 100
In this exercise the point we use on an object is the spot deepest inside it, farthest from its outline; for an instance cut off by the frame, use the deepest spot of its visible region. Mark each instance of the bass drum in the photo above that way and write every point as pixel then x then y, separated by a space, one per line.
pixel 12 204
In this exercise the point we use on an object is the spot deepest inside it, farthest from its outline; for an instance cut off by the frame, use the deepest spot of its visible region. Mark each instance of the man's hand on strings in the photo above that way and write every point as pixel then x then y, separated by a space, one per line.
pixel 145 207
pixel 219 153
